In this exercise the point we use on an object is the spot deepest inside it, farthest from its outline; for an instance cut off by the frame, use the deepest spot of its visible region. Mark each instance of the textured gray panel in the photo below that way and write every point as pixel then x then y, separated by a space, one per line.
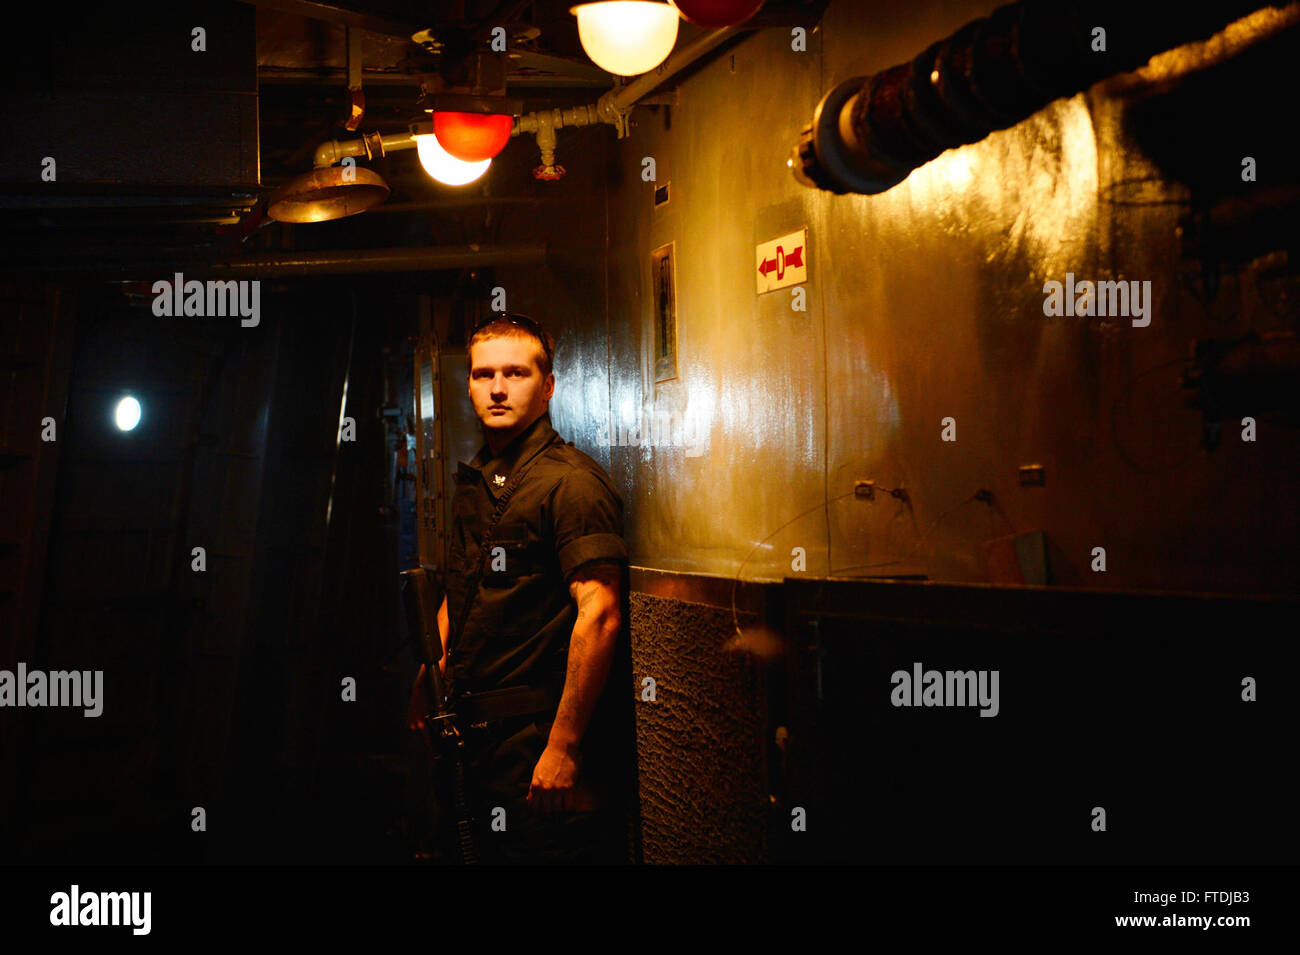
pixel 117 94
pixel 700 744
pixel 135 138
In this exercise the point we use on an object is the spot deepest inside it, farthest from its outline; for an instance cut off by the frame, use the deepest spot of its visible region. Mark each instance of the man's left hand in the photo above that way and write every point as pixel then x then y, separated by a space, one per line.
pixel 555 781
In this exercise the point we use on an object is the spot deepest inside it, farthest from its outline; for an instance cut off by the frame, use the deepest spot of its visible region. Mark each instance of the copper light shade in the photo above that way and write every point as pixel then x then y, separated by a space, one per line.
pixel 329 193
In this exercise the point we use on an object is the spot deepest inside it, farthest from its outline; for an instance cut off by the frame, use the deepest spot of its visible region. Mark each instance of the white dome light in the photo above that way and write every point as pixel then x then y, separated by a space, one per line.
pixel 445 167
pixel 127 413
pixel 627 37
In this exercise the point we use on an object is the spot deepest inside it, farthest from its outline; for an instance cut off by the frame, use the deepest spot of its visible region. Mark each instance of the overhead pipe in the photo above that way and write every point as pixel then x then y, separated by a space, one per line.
pixel 357 261
pixel 370 145
pixel 267 265
pixel 462 202
pixel 868 133
pixel 621 99
pixel 543 125
pixel 613 107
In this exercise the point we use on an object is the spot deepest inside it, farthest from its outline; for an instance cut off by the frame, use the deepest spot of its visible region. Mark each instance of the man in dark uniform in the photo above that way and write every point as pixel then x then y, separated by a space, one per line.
pixel 537 662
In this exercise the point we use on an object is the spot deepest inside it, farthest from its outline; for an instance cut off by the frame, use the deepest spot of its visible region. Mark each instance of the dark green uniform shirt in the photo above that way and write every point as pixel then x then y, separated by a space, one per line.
pixel 564 514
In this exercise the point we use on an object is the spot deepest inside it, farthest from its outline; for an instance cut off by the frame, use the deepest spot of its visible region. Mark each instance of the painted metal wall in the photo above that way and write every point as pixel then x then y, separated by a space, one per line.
pixel 923 303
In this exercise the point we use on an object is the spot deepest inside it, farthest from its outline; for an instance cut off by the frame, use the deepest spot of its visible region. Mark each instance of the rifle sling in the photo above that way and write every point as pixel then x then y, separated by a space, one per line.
pixel 507 702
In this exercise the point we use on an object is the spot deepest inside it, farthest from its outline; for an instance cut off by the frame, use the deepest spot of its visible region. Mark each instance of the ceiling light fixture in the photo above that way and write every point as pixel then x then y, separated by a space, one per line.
pixel 439 163
pixel 627 37
pixel 331 192
pixel 473 136
pixel 472 126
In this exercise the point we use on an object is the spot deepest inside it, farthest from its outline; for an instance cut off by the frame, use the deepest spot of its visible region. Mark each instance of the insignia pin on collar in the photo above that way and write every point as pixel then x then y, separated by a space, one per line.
pixel 499 480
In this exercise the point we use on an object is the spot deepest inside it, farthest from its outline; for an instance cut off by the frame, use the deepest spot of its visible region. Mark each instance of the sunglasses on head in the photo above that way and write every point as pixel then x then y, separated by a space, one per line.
pixel 523 321
pixel 514 318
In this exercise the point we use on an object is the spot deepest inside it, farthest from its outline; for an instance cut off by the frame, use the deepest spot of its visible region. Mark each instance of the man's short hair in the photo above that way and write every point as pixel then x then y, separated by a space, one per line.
pixel 514 325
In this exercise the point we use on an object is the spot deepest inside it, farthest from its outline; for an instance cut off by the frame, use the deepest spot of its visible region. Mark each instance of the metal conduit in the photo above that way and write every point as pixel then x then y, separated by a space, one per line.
pixel 346 261
pixel 267 265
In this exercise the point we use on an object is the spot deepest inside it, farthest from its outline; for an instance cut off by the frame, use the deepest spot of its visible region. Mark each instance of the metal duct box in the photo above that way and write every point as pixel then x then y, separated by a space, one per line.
pixel 139 100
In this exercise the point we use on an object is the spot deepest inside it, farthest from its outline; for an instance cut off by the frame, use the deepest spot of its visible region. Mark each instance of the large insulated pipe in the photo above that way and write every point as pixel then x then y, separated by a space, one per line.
pixel 869 132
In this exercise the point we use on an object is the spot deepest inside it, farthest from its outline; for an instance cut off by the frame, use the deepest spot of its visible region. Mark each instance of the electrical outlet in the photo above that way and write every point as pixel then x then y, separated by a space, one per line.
pixel 1033 475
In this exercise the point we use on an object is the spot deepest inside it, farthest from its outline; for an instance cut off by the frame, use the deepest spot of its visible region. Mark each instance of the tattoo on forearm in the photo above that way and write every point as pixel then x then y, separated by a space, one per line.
pixel 596 591
pixel 585 599
pixel 571 701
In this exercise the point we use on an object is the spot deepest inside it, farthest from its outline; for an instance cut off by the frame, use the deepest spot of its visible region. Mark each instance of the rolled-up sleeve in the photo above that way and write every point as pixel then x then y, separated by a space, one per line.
pixel 588 522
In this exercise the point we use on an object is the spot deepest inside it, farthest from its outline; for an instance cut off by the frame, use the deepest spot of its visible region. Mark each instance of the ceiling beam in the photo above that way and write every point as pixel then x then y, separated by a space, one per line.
pixel 350 14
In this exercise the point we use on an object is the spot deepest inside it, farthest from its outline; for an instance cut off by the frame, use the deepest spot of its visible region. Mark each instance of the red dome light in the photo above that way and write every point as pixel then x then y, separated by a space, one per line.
pixel 473 137
pixel 717 13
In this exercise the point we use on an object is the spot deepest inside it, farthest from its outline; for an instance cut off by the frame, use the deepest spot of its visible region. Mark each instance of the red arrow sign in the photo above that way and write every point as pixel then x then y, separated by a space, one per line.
pixel 778 264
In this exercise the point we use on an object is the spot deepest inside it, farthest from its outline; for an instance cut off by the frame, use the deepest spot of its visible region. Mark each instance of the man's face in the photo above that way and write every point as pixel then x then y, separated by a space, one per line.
pixel 506 385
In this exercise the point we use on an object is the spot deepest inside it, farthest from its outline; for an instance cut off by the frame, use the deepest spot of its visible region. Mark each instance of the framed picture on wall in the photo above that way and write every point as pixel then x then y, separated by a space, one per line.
pixel 664 280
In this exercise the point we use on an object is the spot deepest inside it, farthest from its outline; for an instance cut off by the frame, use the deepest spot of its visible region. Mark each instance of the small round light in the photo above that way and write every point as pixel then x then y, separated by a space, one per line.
pixel 715 14
pixel 473 137
pixel 445 167
pixel 627 37
pixel 127 414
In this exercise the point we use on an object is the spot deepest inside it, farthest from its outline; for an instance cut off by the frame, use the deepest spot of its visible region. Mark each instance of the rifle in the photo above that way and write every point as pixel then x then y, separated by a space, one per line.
pixel 422 605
